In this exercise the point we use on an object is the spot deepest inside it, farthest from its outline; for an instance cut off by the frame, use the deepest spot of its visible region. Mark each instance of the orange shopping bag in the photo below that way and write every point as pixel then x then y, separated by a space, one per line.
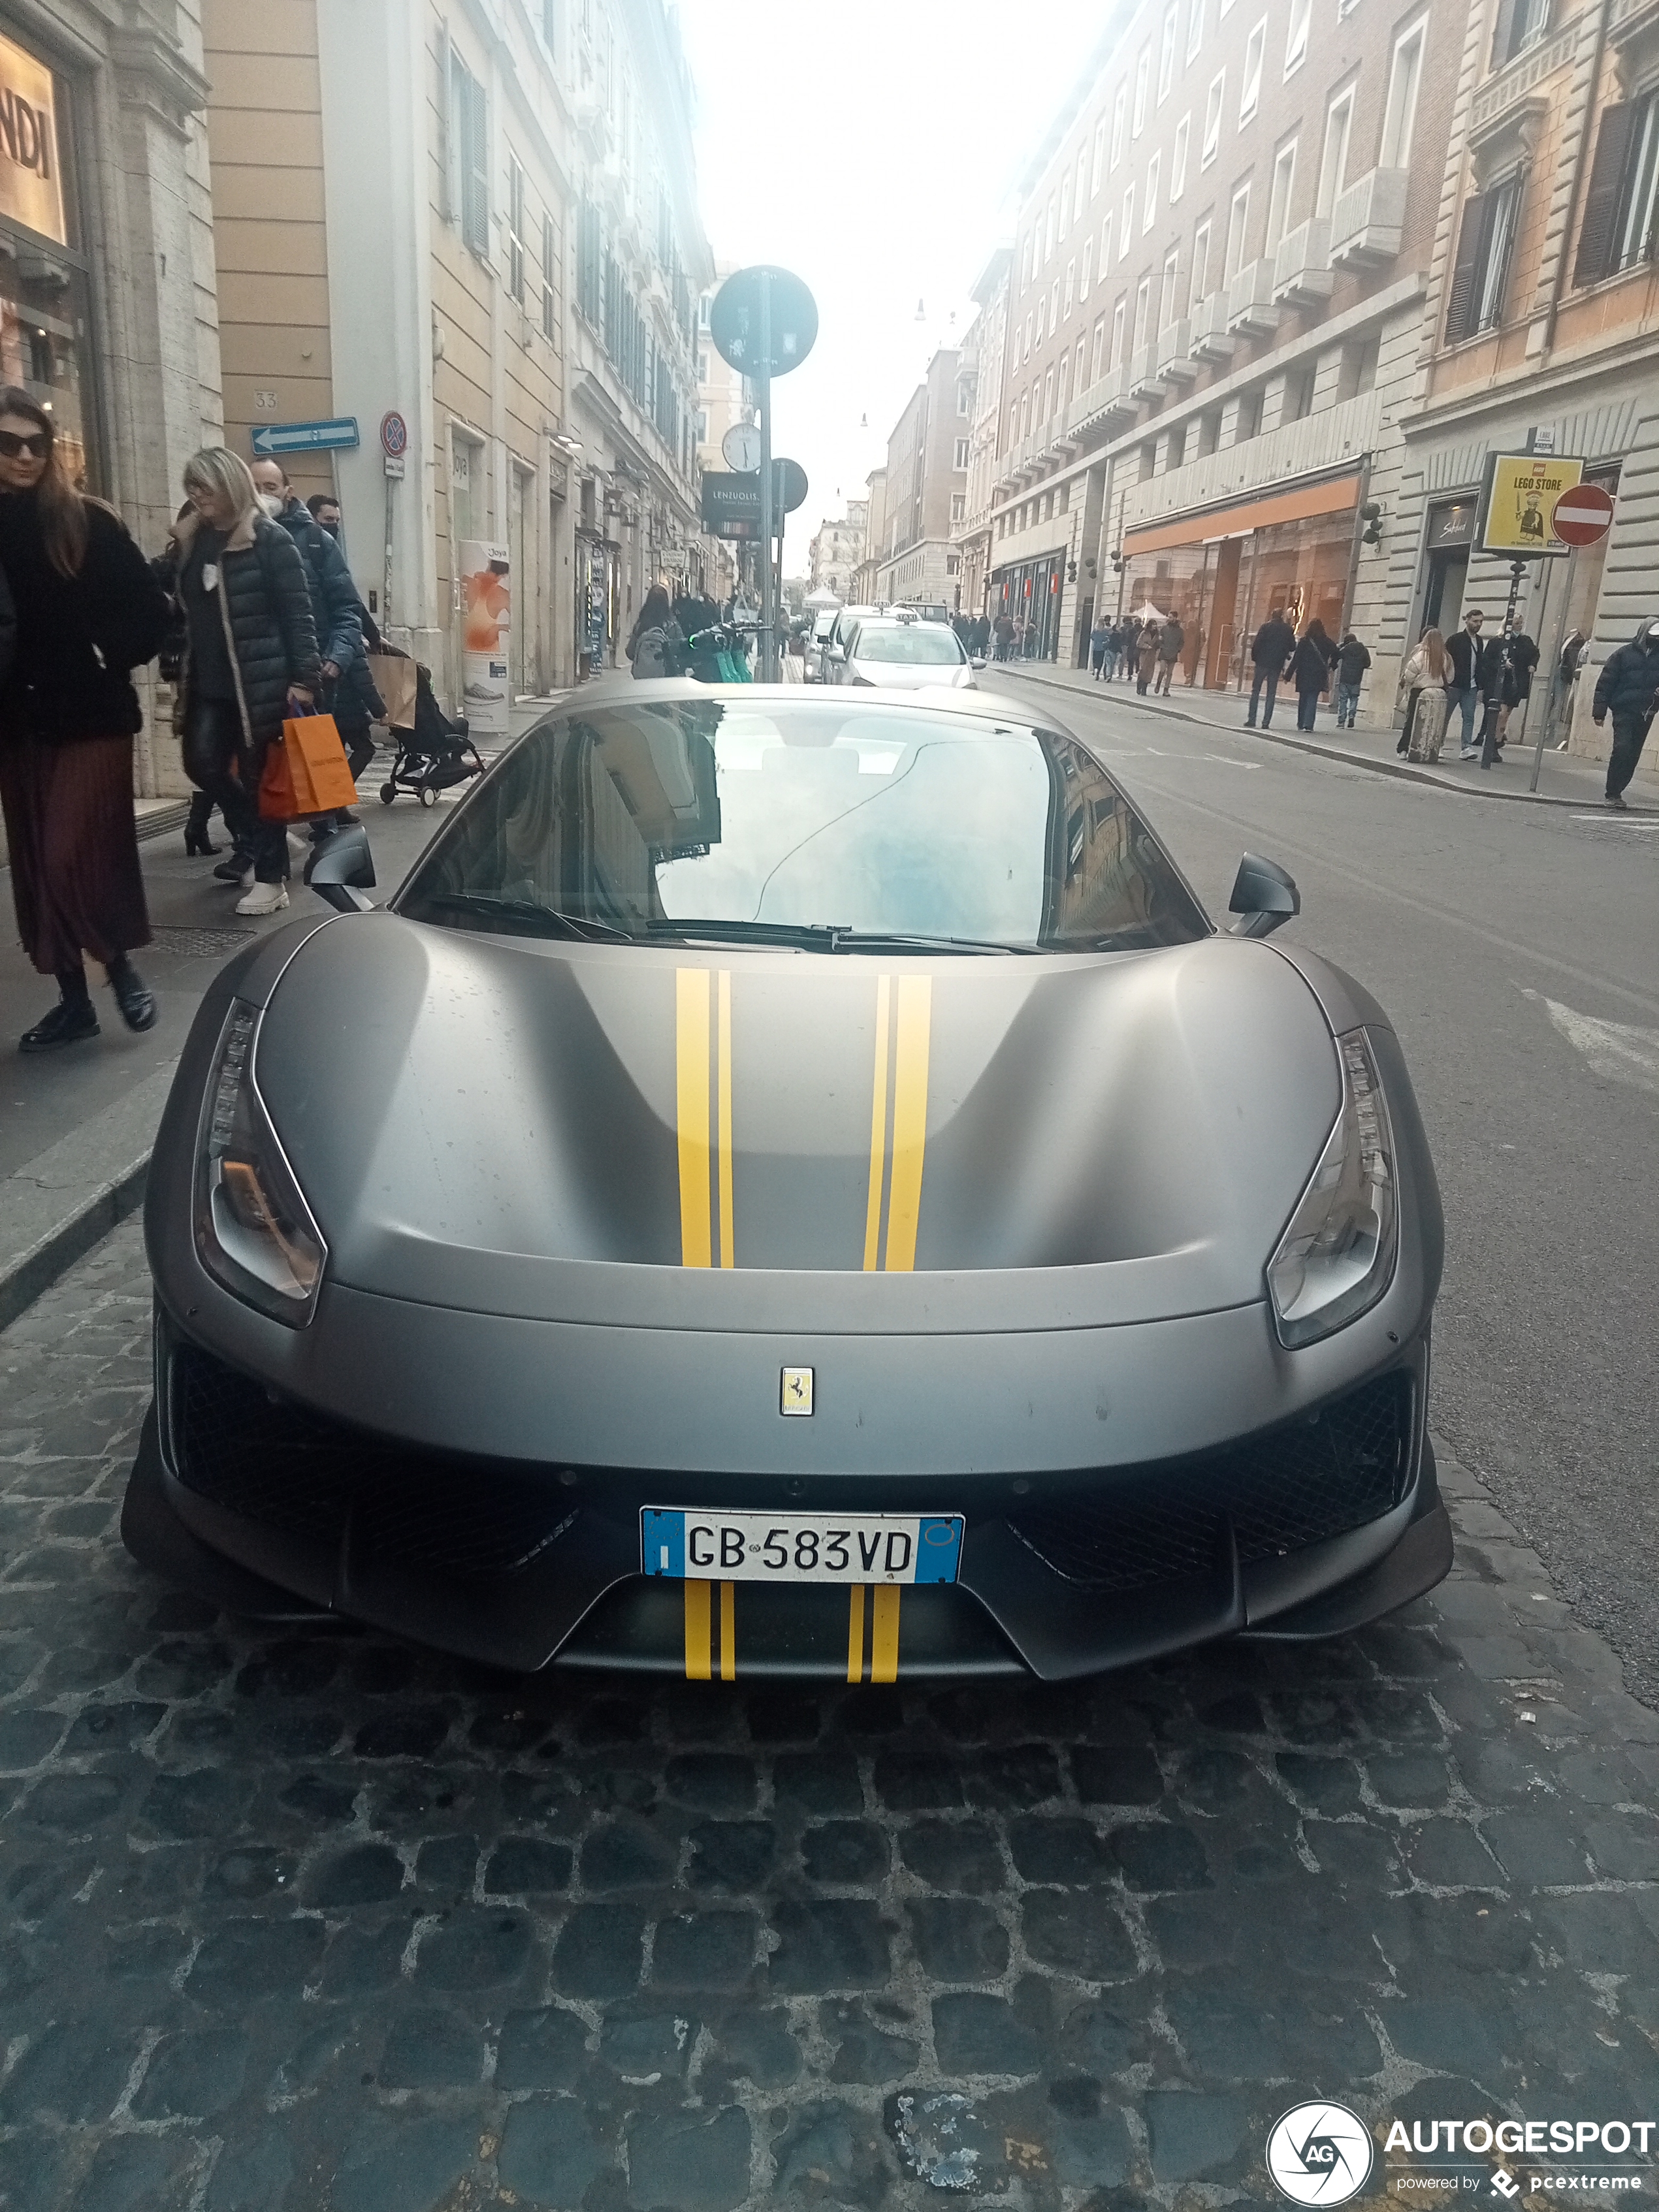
pixel 278 799
pixel 314 764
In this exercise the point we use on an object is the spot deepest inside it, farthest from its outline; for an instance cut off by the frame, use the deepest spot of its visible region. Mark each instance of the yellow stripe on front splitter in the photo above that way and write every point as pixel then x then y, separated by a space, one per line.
pixel 692 1113
pixel 697 1663
pixel 877 1139
pixel 728 1631
pixel 856 1633
pixel 885 1633
pixel 723 1113
pixel 915 995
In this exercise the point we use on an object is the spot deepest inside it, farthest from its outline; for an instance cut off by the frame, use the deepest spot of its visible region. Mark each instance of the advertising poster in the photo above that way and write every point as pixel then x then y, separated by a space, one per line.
pixel 487 615
pixel 31 190
pixel 1524 489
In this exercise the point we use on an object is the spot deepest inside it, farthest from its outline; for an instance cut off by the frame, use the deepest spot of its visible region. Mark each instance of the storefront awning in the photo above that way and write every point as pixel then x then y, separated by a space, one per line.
pixel 1335 496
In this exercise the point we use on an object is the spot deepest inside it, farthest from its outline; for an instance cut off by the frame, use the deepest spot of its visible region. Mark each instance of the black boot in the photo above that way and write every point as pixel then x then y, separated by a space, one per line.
pixel 136 1000
pixel 232 869
pixel 70 1020
pixel 198 845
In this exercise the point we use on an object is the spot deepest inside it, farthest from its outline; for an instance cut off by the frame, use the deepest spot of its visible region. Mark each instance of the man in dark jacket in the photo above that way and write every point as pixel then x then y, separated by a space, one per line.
pixel 336 608
pixel 1471 655
pixel 1352 659
pixel 1270 648
pixel 1628 689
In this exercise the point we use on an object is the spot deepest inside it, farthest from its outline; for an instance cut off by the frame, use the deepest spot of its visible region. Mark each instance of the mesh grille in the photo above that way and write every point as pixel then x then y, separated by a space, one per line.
pixel 269 1461
pixel 1291 1487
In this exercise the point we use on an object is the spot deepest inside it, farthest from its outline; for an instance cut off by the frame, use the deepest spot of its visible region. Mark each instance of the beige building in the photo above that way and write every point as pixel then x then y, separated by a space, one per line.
pixel 1215 323
pixel 925 489
pixel 982 353
pixel 108 313
pixel 485 225
pixel 865 576
pixel 837 549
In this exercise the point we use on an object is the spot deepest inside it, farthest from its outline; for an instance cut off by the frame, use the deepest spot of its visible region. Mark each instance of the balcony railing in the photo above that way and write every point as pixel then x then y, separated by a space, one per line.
pixel 1174 355
pixel 1144 382
pixel 1309 447
pixel 1250 309
pixel 1301 266
pixel 1207 329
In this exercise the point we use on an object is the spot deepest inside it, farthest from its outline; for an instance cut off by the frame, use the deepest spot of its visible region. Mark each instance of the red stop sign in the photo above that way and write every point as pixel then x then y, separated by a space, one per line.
pixel 1582 515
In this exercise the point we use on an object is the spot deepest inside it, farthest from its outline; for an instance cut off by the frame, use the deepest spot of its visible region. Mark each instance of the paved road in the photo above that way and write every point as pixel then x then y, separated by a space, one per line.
pixel 313 1922
pixel 1517 949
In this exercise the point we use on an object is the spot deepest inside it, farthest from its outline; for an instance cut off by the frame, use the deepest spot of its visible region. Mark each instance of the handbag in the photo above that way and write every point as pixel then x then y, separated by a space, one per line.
pixel 306 772
pixel 395 678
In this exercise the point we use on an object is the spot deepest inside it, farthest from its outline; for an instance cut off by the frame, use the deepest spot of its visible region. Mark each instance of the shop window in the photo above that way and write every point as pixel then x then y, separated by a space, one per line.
pixel 1212 106
pixel 1183 132
pixel 1621 208
pixel 45 306
pixel 1405 79
pixel 1255 47
pixel 1480 271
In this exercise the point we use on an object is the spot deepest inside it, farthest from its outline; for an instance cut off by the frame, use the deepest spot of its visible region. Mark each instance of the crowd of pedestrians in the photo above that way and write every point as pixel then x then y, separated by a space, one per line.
pixel 254 616
pixel 1144 649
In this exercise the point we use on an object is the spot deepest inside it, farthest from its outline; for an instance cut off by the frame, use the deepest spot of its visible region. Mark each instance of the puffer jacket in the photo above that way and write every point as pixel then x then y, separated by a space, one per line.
pixel 1630 677
pixel 75 639
pixel 265 601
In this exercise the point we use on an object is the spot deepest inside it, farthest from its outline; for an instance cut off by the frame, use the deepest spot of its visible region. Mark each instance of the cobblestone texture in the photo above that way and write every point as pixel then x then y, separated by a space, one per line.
pixel 317 1921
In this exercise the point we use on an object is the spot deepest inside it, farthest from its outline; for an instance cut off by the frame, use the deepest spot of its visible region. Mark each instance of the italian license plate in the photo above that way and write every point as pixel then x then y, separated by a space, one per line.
pixel 799 1547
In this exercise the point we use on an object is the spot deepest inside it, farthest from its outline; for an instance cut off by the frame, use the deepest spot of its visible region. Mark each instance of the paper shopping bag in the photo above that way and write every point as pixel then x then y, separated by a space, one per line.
pixel 279 801
pixel 395 679
pixel 317 764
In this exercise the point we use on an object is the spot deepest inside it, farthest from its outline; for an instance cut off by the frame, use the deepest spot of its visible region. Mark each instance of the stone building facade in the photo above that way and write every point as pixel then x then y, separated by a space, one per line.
pixel 982 351
pixel 1214 321
pixel 925 489
pixel 837 549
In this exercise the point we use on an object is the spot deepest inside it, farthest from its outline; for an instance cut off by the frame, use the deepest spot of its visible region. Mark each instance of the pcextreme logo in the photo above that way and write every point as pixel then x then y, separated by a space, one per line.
pixel 1319 2154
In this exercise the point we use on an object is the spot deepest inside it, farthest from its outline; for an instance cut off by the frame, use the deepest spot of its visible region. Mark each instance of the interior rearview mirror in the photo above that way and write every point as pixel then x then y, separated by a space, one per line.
pixel 342 868
pixel 1264 896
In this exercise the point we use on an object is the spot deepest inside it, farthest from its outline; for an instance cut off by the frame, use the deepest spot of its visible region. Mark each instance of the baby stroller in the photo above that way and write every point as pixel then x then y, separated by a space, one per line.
pixel 433 755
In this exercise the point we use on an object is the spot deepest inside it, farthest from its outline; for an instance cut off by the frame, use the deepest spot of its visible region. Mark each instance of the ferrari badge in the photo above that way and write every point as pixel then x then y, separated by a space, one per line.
pixel 795 1395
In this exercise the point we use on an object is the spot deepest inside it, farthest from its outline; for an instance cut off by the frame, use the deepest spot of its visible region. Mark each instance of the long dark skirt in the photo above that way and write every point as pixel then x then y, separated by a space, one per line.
pixel 75 880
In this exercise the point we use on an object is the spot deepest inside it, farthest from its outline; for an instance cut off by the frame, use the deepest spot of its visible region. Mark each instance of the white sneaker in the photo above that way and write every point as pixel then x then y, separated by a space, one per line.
pixel 263 898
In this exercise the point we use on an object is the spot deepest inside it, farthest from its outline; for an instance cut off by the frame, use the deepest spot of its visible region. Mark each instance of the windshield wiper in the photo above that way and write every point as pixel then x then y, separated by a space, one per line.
pixel 830 936
pixel 545 921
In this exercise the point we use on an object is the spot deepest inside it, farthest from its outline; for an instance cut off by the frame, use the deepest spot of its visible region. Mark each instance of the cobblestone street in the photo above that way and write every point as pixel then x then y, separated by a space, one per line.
pixel 314 1920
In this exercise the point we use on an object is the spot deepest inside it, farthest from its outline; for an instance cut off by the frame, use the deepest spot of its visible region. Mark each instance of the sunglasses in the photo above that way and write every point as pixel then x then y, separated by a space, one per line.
pixel 38 445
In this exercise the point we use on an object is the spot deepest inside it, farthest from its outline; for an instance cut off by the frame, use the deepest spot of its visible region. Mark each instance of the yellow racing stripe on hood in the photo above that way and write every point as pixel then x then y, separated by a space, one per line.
pixel 877 1129
pixel 915 999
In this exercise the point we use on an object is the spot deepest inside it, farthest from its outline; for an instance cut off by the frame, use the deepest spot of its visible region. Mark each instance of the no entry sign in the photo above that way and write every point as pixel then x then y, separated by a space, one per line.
pixel 1582 515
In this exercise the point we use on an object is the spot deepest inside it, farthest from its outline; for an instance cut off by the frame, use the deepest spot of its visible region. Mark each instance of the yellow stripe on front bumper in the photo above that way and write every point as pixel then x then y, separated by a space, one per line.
pixel 885 1633
pixel 698 1668
pixel 915 997
pixel 691 1111
pixel 856 1633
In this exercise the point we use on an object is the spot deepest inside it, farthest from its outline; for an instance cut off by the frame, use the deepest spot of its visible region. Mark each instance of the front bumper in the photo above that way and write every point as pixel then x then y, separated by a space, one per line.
pixel 1309 1527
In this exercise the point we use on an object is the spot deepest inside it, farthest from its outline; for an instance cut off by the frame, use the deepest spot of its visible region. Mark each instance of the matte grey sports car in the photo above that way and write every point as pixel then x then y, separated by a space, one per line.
pixel 793 1184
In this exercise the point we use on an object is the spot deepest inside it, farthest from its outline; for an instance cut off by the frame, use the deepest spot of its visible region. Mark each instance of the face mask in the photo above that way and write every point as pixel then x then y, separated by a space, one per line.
pixel 271 504
pixel 333 528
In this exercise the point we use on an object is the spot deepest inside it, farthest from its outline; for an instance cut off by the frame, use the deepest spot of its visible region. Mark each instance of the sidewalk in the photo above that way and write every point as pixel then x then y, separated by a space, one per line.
pixel 76 1127
pixel 1566 779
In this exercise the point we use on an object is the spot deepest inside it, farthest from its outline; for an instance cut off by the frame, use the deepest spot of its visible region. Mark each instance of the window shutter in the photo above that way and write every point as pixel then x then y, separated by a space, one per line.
pixel 1599 230
pixel 475 172
pixel 446 125
pixel 1460 304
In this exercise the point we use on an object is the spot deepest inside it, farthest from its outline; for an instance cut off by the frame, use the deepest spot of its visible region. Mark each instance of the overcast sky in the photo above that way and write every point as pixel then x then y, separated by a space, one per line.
pixel 875 148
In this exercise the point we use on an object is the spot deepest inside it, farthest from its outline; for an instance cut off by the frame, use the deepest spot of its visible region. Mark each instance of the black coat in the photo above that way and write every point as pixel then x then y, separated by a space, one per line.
pixel 1312 664
pixel 77 637
pixel 1629 681
pixel 1274 643
pixel 264 597
pixel 1353 659
pixel 1475 660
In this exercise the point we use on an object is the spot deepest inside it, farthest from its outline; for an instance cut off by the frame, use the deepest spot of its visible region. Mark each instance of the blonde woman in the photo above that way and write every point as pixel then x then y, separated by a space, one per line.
pixel 1424 678
pixel 250 657
pixel 88 612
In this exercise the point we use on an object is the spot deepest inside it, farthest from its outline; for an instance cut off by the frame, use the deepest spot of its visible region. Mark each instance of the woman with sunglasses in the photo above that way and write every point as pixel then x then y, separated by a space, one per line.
pixel 88 612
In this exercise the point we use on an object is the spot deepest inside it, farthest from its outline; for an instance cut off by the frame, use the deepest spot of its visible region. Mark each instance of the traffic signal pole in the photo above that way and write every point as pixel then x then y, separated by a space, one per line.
pixel 768 656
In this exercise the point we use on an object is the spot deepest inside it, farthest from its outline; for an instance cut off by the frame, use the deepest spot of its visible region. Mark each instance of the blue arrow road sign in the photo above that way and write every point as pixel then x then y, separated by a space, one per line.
pixel 271 438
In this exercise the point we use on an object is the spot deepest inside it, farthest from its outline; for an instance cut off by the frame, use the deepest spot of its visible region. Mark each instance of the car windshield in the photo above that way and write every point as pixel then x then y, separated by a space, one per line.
pixel 909 646
pixel 813 821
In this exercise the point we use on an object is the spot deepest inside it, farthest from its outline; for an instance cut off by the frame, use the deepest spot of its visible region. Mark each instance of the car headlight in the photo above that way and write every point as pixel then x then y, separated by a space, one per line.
pixel 254 1231
pixel 1336 1256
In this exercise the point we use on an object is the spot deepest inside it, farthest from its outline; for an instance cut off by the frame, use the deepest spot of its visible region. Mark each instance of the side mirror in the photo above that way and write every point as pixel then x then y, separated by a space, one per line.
pixel 342 868
pixel 976 660
pixel 1264 896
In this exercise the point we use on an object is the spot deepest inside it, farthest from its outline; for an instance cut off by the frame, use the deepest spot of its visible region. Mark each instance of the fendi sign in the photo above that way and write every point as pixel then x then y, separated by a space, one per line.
pixel 31 190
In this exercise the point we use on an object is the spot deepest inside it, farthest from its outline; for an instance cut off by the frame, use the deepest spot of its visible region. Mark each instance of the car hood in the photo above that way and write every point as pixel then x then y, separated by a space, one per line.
pixel 902 676
pixel 695 1139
